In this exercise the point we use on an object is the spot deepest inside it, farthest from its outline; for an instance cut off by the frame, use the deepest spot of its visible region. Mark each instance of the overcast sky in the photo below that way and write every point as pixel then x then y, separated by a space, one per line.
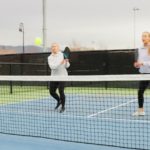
pixel 103 23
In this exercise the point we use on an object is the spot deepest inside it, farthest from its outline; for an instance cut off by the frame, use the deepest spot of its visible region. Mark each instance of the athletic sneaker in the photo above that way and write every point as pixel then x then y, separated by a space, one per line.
pixel 62 109
pixel 138 113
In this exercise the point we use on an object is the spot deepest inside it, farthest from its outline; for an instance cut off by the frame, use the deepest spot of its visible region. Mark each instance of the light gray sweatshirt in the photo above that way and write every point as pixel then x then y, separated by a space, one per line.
pixel 144 57
pixel 56 66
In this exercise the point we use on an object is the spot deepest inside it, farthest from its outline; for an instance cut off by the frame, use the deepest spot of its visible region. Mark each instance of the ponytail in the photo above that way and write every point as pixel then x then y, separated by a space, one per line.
pixel 149 44
pixel 149 49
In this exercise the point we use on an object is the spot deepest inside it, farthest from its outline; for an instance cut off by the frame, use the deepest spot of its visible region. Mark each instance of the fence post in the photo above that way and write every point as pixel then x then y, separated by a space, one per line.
pixel 11 84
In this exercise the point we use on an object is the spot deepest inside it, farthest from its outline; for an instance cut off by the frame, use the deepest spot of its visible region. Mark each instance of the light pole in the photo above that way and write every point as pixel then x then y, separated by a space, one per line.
pixel 44 26
pixel 21 29
pixel 135 9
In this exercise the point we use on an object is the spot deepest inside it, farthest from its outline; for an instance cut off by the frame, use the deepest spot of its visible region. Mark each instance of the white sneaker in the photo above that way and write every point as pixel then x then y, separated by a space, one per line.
pixel 138 113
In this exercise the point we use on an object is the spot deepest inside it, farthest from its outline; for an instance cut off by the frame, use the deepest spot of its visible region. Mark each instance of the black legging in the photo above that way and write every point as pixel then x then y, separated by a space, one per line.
pixel 142 87
pixel 60 86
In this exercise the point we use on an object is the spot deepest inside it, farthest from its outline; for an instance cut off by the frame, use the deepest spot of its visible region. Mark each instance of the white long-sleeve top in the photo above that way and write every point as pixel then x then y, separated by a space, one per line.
pixel 56 66
pixel 144 57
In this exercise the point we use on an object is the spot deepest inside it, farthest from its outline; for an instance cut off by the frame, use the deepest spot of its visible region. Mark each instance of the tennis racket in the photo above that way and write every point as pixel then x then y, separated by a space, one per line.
pixel 66 53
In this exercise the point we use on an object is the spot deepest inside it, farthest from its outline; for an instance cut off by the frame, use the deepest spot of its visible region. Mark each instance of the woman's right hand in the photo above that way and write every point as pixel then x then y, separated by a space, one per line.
pixel 135 64
pixel 64 61
pixel 138 64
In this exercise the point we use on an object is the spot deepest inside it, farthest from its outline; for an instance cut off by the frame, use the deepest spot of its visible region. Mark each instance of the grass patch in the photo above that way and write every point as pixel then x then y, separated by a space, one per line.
pixel 22 93
pixel 27 93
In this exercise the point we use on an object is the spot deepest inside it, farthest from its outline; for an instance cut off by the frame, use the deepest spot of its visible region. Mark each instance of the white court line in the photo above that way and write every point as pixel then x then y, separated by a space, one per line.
pixel 108 119
pixel 103 111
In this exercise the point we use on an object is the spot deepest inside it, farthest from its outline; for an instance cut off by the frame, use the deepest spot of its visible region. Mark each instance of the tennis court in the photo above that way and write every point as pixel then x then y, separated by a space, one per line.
pixel 10 142
pixel 97 112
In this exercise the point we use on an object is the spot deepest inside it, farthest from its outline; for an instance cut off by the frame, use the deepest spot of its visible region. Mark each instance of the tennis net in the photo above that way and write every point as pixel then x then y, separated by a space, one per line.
pixel 98 109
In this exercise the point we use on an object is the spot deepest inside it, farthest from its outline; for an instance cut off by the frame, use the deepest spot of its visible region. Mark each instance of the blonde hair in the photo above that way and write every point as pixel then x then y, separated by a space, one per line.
pixel 146 32
pixel 149 44
pixel 148 49
pixel 54 43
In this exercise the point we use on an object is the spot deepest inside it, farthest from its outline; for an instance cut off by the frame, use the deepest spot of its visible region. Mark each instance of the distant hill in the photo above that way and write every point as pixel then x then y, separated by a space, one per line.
pixel 6 52
pixel 19 49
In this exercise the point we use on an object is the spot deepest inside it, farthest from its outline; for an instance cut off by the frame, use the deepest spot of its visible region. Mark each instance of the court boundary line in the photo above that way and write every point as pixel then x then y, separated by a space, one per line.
pixel 111 108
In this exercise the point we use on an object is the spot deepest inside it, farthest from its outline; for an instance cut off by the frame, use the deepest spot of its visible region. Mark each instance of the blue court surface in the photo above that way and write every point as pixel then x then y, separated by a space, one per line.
pixel 11 142
pixel 100 119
